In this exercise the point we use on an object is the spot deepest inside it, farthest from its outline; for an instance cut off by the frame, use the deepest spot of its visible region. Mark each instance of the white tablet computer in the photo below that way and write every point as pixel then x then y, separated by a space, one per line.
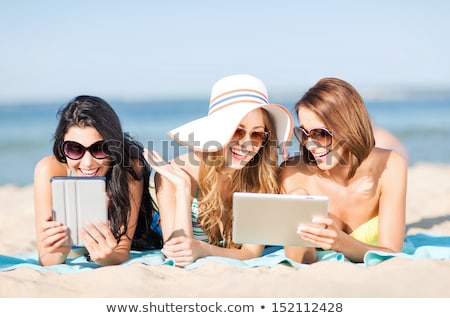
pixel 76 200
pixel 272 219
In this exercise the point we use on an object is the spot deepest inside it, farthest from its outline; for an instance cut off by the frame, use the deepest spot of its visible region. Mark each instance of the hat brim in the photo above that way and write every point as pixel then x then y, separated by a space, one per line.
pixel 213 132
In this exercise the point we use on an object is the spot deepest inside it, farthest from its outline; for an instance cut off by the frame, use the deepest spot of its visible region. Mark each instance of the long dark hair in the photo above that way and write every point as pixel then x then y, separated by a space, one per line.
pixel 124 153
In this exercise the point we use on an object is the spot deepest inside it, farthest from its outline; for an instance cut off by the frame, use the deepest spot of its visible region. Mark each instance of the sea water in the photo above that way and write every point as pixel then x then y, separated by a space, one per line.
pixel 26 130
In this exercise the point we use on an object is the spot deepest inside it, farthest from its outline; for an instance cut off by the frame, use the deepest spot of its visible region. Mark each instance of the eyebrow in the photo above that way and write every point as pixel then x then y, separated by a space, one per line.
pixel 253 128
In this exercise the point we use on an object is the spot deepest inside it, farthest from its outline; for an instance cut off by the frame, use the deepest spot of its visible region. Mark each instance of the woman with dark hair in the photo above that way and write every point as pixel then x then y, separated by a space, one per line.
pixel 89 142
pixel 366 185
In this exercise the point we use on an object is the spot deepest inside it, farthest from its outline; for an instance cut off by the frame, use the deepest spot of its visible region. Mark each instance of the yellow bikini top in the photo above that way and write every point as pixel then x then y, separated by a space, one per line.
pixel 367 232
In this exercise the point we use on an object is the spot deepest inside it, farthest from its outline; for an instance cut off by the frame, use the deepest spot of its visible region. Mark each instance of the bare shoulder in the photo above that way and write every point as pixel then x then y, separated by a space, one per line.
pixel 295 176
pixel 50 166
pixel 385 139
pixel 385 162
pixel 388 158
pixel 397 162
pixel 293 165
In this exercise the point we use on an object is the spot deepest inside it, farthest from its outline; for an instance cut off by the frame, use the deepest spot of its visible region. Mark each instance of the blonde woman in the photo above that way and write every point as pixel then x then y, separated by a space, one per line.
pixel 234 148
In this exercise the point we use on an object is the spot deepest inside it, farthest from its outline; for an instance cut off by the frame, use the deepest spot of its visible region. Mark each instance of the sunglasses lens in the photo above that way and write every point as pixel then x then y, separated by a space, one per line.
pixel 97 150
pixel 298 134
pixel 320 136
pixel 259 137
pixel 239 134
pixel 73 150
pixel 304 136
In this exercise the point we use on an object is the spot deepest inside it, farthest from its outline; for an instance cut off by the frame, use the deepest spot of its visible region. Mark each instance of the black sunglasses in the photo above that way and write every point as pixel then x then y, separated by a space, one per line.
pixel 321 136
pixel 258 138
pixel 75 151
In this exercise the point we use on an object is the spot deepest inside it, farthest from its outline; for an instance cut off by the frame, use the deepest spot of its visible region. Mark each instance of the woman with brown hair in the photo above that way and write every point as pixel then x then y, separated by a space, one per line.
pixel 366 185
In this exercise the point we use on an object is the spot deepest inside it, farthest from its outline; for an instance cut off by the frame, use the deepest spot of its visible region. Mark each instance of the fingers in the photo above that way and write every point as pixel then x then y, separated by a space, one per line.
pixel 324 222
pixel 48 225
pixel 171 172
pixel 154 159
pixel 321 233
pixel 54 234
pixel 160 165
pixel 179 250
pixel 98 239
pixel 100 233
pixel 181 257
pixel 323 242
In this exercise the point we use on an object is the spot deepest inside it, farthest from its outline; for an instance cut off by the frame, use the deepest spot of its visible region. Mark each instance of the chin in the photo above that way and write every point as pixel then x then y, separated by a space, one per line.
pixel 237 164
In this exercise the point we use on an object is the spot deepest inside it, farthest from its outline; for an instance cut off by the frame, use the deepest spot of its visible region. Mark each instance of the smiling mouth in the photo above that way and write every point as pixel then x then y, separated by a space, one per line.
pixel 89 172
pixel 240 153
pixel 321 155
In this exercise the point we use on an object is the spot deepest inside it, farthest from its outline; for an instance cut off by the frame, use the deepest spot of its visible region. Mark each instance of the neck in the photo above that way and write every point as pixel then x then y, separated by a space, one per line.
pixel 227 171
pixel 337 175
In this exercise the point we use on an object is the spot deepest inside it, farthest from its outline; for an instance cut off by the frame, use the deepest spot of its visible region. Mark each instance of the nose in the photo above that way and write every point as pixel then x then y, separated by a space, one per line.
pixel 311 144
pixel 246 140
pixel 87 159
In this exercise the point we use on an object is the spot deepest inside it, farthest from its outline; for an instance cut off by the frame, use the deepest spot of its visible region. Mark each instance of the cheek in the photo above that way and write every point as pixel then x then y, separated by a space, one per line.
pixel 72 164
pixel 338 149
pixel 105 162
pixel 105 165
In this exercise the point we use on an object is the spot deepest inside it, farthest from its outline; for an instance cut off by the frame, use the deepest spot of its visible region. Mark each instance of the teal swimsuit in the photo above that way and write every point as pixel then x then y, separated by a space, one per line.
pixel 196 229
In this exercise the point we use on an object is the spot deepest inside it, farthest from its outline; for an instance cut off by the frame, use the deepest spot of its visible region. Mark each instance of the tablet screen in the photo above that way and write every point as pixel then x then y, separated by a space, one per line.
pixel 273 219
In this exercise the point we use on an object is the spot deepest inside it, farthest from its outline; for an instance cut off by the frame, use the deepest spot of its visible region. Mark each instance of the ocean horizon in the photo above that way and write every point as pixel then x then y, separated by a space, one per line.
pixel 26 129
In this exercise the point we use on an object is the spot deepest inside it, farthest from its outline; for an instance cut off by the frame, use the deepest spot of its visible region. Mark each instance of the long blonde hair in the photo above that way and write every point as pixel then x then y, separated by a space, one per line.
pixel 259 175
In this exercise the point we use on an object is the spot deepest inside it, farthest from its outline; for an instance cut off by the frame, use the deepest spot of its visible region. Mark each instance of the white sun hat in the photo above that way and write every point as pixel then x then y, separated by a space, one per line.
pixel 232 98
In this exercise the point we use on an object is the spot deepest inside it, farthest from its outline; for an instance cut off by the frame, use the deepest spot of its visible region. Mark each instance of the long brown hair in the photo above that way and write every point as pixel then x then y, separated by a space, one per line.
pixel 343 111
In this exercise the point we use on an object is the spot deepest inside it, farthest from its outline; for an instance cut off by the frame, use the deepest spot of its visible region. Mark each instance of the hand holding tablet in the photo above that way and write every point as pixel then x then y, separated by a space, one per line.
pixel 77 200
pixel 273 219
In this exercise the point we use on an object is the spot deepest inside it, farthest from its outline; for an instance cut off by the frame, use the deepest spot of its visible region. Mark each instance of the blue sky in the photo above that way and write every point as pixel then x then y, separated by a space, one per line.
pixel 140 49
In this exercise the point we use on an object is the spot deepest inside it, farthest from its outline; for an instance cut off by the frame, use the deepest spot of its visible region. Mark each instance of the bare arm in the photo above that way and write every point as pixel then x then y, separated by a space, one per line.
pixel 173 191
pixel 391 222
pixel 174 202
pixel 51 236
pixel 392 208
pixel 185 250
pixel 391 213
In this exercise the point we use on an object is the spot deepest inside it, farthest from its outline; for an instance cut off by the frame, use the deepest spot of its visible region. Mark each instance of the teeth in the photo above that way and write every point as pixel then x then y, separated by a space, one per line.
pixel 321 154
pixel 241 152
pixel 88 172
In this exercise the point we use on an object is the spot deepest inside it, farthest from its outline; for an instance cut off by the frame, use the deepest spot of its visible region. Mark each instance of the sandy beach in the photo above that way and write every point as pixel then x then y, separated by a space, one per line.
pixel 428 211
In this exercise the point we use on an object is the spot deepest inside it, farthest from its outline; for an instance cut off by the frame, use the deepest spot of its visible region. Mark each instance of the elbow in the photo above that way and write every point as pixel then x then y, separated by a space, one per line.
pixel 304 255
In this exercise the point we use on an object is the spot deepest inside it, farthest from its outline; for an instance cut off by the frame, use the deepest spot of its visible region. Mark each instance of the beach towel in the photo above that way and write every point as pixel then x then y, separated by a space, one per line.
pixel 418 246
pixel 80 263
